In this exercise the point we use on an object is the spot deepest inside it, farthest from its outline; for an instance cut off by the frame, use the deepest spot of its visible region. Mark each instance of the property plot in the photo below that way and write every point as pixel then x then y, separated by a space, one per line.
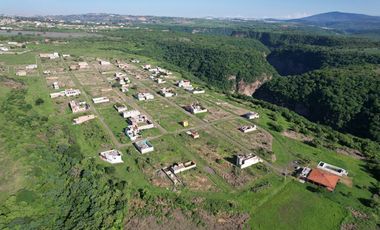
pixel 91 79
pixel 259 139
pixel 115 122
pixel 169 117
pixel 220 157
pixel 169 150
pixel 64 81
pixel 53 66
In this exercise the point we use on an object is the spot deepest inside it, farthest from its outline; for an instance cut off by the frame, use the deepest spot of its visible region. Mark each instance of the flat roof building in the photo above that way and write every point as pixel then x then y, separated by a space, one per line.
pixel 144 146
pixel 112 156
pixel 244 161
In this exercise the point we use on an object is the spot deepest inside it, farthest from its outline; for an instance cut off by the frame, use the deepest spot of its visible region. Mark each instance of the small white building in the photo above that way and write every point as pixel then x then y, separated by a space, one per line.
pixel 159 80
pixel 130 113
pixel 50 56
pixel 132 132
pixel 181 167
pixel 67 93
pixel 31 67
pixel 144 96
pixel 184 84
pixel 99 100
pixel 120 108
pixel 248 128
pixel 104 63
pixel 83 119
pixel 197 91
pixel 83 65
pixel 112 156
pixel 79 107
pixel 141 121
pixel 196 108
pixel 21 73
pixel 55 85
pixel 332 169
pixel 244 161
pixel 251 115
pixel 144 146
pixel 165 92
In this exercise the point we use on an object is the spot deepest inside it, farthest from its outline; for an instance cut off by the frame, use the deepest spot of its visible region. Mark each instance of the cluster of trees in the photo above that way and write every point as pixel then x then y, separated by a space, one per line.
pixel 68 190
pixel 345 99
pixel 213 59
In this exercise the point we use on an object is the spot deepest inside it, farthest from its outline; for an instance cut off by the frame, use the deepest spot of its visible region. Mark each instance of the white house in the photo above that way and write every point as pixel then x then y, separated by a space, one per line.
pixel 130 113
pixel 120 108
pixel 196 108
pixel 332 169
pixel 144 146
pixel 144 96
pixel 248 128
pixel 99 100
pixel 181 167
pixel 31 67
pixel 165 92
pixel 251 115
pixel 112 156
pixel 244 161
pixel 83 119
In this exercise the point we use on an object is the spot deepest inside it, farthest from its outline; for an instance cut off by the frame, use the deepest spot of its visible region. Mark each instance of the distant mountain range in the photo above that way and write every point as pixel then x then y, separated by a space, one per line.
pixel 345 22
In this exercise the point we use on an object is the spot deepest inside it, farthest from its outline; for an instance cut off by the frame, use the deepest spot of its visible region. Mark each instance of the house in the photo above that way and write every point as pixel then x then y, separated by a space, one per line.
pixel 112 156
pixel 120 75
pixel 141 121
pixel 185 123
pixel 132 132
pixel 31 67
pixel 159 81
pixel 196 108
pixel 120 108
pixel 83 65
pixel 167 92
pixel 244 161
pixel 66 55
pixel 99 100
pixel 79 107
pixel 21 73
pixel 147 67
pixel 103 62
pixel 144 146
pixel 50 56
pixel 55 85
pixel 323 178
pixel 195 90
pixel 184 84
pixel 130 113
pixel 72 92
pixel 181 167
pixel 135 61
pixel 46 72
pixel 67 93
pixel 332 169
pixel 144 96
pixel 248 128
pixel 251 115
pixel 124 88
pixel 193 134
pixel 83 119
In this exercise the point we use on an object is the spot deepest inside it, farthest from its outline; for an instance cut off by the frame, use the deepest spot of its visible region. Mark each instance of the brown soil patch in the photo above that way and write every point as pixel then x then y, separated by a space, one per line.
pixel 296 136
pixel 346 180
pixel 10 83
pixel 350 152
pixel 224 221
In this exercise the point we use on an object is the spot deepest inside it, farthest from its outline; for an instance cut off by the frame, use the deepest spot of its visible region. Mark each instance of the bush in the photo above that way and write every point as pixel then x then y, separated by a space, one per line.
pixel 39 101
pixel 276 127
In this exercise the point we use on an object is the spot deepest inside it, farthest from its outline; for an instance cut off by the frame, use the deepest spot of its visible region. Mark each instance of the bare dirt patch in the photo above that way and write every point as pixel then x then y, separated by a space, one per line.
pixel 346 180
pixel 296 136
pixel 10 83
pixel 350 152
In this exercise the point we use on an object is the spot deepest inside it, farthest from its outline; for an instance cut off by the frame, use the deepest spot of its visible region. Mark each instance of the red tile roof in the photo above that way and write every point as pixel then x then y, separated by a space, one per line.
pixel 323 178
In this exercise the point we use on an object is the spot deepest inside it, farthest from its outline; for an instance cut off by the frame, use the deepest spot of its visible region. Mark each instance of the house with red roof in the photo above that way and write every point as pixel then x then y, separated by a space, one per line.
pixel 323 178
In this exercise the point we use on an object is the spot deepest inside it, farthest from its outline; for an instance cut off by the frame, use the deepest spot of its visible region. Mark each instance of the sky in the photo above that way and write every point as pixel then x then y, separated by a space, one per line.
pixel 190 8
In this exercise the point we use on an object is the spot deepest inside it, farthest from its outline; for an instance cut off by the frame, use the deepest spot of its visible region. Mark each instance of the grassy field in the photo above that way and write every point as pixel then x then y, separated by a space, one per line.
pixel 35 142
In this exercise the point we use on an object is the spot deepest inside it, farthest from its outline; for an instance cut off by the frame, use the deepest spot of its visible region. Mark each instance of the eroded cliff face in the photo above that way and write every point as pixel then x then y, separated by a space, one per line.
pixel 248 89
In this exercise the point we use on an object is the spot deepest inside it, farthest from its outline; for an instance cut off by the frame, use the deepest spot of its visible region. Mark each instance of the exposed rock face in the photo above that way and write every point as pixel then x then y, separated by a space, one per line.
pixel 249 88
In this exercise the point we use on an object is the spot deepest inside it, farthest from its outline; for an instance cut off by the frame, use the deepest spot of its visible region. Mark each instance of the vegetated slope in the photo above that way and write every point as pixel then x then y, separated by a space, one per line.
pixel 302 59
pixel 62 189
pixel 220 61
pixel 346 99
